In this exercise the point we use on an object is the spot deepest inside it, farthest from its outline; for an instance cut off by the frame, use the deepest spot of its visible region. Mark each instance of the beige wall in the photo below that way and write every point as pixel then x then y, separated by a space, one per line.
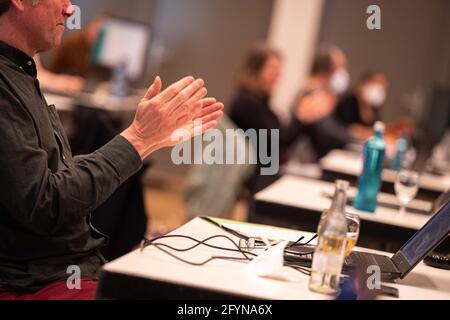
pixel 409 48
pixel 208 38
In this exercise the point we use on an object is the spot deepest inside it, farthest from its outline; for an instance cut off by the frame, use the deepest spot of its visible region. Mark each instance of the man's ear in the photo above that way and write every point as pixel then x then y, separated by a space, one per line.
pixel 18 5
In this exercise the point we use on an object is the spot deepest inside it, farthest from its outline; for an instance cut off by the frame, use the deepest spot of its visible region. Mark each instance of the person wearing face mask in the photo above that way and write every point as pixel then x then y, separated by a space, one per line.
pixel 360 110
pixel 249 109
pixel 316 105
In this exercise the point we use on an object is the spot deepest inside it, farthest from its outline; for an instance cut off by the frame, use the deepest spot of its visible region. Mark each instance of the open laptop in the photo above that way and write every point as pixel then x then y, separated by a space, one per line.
pixel 400 265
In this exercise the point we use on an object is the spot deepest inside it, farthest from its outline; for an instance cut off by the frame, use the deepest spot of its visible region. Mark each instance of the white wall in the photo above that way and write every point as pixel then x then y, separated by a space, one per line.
pixel 294 30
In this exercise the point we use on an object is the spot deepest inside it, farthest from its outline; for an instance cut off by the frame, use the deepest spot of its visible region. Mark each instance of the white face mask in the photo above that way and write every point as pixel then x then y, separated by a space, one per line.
pixel 374 94
pixel 340 81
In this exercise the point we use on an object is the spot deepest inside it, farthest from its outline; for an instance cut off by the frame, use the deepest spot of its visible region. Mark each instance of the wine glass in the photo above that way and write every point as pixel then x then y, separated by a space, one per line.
pixel 406 187
pixel 353 226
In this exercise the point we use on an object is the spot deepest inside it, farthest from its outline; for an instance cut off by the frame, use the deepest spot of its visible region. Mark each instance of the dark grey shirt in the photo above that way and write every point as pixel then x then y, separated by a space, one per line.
pixel 46 195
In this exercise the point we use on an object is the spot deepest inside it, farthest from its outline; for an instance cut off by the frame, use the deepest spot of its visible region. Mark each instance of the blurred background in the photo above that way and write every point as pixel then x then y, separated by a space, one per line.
pixel 210 39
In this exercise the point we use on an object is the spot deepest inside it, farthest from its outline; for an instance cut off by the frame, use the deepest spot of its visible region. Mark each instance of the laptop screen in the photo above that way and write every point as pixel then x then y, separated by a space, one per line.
pixel 424 241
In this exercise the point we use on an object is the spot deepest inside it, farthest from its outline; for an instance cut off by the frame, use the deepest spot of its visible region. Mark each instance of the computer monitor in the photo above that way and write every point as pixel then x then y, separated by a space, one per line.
pixel 122 41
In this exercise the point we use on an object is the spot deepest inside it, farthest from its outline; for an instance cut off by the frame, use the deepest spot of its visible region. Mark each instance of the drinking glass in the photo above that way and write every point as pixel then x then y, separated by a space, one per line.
pixel 406 187
pixel 353 227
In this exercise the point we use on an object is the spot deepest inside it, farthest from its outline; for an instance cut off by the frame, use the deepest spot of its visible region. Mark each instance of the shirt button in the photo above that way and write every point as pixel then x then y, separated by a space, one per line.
pixel 64 157
pixel 29 63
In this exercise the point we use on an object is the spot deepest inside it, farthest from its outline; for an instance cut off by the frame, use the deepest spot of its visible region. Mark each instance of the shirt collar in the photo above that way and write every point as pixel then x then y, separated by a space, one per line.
pixel 19 58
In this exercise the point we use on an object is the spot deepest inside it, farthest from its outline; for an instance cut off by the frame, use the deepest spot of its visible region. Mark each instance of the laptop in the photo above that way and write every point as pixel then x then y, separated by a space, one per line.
pixel 402 263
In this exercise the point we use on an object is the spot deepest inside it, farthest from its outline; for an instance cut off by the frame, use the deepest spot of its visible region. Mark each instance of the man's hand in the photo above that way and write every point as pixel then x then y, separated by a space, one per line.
pixel 181 106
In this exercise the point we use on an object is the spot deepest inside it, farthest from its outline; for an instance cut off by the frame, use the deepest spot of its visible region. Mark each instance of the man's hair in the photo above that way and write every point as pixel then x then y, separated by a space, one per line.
pixel 323 59
pixel 4 6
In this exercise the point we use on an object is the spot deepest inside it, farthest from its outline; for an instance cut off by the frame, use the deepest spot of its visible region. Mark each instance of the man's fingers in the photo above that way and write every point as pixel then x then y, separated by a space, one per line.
pixel 208 118
pixel 187 93
pixel 192 106
pixel 208 101
pixel 154 89
pixel 187 122
pixel 198 130
pixel 175 89
pixel 209 108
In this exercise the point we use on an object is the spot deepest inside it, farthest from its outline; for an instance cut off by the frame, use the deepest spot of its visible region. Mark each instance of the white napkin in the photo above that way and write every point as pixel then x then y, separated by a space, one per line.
pixel 270 264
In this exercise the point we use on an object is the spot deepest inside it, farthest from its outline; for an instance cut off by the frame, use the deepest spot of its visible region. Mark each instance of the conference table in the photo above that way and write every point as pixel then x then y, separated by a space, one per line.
pixel 296 202
pixel 342 164
pixel 96 101
pixel 154 274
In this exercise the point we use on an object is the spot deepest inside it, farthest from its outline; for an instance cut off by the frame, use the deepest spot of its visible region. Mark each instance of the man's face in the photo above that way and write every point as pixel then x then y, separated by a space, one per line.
pixel 44 20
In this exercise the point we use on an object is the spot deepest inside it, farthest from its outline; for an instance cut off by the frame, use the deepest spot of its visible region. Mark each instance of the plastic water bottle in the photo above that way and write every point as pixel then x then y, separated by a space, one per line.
pixel 370 180
pixel 328 256
pixel 402 148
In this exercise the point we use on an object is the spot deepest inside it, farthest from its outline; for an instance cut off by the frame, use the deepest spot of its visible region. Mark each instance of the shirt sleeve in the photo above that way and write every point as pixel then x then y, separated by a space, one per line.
pixel 41 200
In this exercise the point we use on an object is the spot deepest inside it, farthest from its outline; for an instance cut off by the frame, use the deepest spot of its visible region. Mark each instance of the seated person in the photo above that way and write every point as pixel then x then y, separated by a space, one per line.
pixel 316 104
pixel 360 110
pixel 250 107
pixel 74 55
pixel 60 83
pixel 122 216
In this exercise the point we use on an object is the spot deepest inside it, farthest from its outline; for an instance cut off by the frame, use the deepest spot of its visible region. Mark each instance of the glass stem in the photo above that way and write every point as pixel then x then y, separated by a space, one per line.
pixel 402 210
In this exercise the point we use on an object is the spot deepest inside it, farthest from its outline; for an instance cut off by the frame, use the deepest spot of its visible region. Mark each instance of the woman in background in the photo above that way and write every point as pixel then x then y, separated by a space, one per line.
pixel 250 107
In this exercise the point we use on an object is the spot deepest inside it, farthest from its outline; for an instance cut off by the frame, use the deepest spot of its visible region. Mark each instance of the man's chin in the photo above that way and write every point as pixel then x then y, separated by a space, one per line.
pixel 51 45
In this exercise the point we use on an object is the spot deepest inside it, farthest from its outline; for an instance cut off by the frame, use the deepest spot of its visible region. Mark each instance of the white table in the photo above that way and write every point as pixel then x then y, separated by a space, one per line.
pixel 351 163
pixel 296 202
pixel 314 195
pixel 153 268
pixel 93 101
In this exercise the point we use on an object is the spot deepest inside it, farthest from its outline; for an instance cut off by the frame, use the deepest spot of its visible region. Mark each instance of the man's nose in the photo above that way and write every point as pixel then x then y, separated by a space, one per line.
pixel 69 9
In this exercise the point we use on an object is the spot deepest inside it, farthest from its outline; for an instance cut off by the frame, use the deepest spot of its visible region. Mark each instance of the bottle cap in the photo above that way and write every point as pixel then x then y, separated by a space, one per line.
pixel 342 184
pixel 379 126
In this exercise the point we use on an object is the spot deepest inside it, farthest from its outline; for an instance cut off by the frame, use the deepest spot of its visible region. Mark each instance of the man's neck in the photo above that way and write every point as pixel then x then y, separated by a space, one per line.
pixel 14 37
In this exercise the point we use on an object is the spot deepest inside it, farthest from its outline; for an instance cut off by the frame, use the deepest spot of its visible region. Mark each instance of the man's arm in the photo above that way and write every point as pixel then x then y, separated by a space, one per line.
pixel 42 201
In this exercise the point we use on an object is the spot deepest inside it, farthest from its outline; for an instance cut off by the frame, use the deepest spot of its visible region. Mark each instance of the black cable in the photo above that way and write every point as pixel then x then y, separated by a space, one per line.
pixel 197 264
pixel 246 254
pixel 302 270
pixel 296 242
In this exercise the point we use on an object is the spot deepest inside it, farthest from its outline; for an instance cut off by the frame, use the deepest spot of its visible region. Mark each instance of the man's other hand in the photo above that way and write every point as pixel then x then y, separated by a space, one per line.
pixel 159 114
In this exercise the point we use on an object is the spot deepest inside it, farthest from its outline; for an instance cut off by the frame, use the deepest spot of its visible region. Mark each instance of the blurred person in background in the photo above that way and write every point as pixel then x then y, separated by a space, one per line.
pixel 73 57
pixel 359 110
pixel 59 83
pixel 317 101
pixel 250 106
pixel 221 184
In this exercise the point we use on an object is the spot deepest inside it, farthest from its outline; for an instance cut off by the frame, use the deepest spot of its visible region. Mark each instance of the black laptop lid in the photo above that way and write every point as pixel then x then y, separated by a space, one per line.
pixel 424 241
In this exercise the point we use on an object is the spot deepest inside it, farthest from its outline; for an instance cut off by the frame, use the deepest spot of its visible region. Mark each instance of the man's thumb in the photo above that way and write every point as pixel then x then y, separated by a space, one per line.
pixel 154 89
